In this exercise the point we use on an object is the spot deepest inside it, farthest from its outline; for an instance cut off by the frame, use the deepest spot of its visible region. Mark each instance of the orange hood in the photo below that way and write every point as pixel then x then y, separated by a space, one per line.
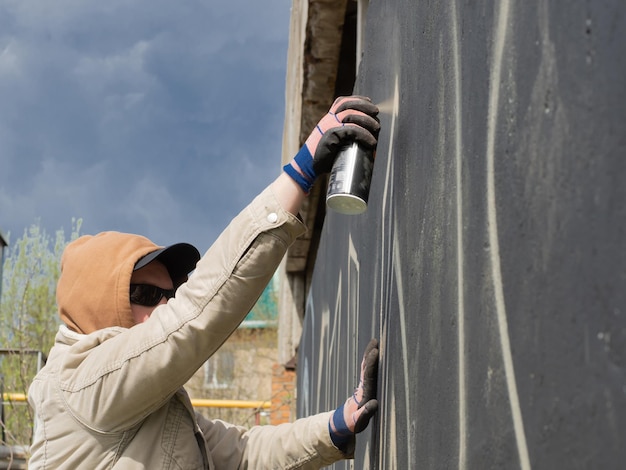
pixel 93 289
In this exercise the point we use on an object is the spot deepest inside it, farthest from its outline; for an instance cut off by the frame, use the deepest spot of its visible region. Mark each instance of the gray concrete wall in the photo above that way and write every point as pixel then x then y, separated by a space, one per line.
pixel 491 262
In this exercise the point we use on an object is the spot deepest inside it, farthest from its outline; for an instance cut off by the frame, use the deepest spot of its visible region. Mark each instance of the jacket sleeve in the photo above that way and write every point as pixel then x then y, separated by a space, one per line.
pixel 303 444
pixel 132 373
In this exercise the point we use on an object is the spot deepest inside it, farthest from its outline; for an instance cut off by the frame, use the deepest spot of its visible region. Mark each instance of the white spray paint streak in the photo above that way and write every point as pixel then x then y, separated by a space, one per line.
pixel 397 256
pixel 353 307
pixel 459 241
pixel 392 464
pixel 494 95
pixel 388 197
pixel 325 336
pixel 388 173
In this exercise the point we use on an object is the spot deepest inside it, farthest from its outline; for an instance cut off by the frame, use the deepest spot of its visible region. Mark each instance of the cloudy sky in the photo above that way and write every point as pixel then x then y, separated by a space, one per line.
pixel 157 117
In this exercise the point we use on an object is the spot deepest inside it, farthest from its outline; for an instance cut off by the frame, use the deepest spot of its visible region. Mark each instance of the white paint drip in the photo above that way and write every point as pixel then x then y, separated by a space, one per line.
pixel 502 18
pixel 459 242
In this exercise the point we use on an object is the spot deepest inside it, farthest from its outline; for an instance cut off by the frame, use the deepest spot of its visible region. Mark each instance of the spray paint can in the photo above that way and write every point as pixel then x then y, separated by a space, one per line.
pixel 349 181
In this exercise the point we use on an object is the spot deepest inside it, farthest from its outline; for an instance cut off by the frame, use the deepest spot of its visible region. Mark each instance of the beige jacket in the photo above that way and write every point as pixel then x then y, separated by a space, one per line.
pixel 113 398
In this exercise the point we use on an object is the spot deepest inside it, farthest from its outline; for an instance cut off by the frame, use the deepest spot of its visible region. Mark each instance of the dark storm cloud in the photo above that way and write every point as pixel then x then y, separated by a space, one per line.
pixel 156 117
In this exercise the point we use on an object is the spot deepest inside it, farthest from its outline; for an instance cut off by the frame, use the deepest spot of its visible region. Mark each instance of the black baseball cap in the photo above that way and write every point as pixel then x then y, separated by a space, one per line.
pixel 179 259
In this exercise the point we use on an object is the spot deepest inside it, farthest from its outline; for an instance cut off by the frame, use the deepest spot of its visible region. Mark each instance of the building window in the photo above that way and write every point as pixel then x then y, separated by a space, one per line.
pixel 219 370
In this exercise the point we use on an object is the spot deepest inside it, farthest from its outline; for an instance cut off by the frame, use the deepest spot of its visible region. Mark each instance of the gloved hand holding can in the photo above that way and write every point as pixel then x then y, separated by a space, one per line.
pixel 350 119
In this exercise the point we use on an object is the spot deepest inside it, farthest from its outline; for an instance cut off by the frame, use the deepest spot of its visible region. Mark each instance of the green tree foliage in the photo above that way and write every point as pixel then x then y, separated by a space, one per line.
pixel 266 308
pixel 28 319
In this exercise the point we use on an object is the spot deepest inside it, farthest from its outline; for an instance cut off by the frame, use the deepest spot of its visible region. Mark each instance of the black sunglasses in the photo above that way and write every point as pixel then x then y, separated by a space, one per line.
pixel 148 295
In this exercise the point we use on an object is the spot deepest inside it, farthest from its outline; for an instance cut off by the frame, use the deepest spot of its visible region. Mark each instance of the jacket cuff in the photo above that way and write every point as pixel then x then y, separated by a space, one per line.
pixel 269 214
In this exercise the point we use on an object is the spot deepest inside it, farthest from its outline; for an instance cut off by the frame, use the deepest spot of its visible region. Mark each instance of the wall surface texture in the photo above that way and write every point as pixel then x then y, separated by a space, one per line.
pixel 491 262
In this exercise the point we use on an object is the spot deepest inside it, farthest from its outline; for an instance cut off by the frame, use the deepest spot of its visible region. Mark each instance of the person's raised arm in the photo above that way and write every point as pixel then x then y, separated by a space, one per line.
pixel 289 194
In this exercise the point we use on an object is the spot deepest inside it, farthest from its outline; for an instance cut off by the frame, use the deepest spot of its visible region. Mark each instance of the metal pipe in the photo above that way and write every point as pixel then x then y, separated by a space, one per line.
pixel 197 402
pixel 205 403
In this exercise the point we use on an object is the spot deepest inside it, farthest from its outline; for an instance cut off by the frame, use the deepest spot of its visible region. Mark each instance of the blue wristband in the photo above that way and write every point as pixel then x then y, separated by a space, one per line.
pixel 305 184
pixel 341 435
pixel 304 159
